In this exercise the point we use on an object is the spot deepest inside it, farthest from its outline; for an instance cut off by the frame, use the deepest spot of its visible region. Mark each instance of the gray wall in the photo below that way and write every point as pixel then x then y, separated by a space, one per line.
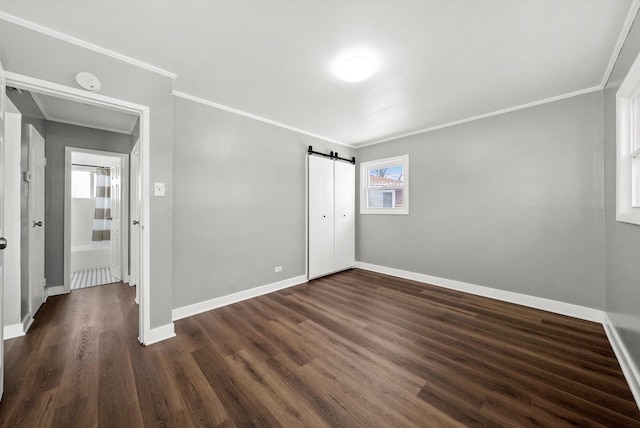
pixel 59 136
pixel 38 55
pixel 622 239
pixel 512 202
pixel 240 199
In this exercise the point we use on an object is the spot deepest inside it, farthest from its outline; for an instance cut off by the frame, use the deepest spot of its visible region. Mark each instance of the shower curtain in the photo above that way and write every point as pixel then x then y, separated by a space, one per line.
pixel 101 222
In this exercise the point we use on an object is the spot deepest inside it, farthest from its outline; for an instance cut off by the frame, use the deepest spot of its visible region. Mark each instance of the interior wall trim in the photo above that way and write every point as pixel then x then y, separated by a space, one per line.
pixel 55 290
pixel 629 369
pixel 12 331
pixel 78 42
pixel 26 322
pixel 218 302
pixel 562 308
pixel 256 117
pixel 624 32
pixel 158 334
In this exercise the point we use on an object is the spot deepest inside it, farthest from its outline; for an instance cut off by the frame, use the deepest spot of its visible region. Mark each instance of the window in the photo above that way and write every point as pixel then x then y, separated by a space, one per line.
pixel 83 183
pixel 628 147
pixel 384 186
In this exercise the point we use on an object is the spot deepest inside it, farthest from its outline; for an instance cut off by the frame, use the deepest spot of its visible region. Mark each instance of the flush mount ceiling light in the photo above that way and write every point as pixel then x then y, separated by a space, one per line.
pixel 355 69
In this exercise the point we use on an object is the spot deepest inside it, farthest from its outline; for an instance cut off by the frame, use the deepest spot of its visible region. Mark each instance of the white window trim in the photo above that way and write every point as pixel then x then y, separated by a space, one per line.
pixel 364 180
pixel 625 124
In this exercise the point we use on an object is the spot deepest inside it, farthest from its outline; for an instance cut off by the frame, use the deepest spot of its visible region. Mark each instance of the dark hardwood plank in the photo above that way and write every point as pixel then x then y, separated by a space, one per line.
pixel 352 349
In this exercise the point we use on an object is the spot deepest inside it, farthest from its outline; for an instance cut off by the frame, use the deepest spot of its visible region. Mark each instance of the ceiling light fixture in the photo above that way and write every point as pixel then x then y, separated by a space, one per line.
pixel 355 69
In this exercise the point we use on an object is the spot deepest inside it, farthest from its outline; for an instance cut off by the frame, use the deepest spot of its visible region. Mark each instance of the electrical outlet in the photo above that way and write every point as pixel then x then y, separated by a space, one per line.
pixel 278 268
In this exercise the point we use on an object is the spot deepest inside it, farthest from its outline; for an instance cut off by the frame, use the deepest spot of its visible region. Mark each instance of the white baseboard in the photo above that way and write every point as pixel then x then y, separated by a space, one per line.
pixel 629 369
pixel 159 334
pixel 13 330
pixel 198 308
pixel 562 308
pixel 26 322
pixel 56 290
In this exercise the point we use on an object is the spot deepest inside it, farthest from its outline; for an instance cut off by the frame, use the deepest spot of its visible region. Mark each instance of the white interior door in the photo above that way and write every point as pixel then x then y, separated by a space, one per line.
pixel 116 212
pixel 37 280
pixel 134 229
pixel 321 213
pixel 345 197
pixel 3 242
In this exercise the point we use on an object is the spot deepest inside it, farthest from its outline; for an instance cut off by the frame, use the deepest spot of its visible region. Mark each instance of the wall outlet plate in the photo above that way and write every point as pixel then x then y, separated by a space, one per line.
pixel 278 269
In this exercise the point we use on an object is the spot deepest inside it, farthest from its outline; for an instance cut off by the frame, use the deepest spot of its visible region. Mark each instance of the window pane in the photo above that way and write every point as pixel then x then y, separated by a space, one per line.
pixel 381 198
pixel 387 177
pixel 80 184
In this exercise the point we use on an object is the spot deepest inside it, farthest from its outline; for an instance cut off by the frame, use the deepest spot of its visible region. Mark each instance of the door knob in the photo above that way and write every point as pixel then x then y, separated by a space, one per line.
pixel 3 243
pixel 39 223
pixel 135 222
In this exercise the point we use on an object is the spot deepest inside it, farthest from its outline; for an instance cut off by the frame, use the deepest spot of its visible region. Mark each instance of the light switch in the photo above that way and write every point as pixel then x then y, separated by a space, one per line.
pixel 158 189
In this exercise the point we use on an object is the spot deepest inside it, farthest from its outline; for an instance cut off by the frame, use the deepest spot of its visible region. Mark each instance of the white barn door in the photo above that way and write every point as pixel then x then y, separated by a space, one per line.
pixel 321 213
pixel 331 216
pixel 345 210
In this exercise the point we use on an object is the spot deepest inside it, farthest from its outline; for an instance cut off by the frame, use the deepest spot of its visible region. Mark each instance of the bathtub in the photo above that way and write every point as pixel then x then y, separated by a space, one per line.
pixel 92 256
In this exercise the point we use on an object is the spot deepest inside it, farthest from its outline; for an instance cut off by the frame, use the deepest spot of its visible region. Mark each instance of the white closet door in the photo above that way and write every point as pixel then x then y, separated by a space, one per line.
pixel 321 213
pixel 345 209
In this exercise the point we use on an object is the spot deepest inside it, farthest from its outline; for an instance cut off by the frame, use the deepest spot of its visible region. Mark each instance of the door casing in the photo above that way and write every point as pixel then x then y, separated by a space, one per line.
pixel 124 212
pixel 40 86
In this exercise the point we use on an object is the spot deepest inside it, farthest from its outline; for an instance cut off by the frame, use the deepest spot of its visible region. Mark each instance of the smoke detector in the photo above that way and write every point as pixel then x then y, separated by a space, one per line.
pixel 88 81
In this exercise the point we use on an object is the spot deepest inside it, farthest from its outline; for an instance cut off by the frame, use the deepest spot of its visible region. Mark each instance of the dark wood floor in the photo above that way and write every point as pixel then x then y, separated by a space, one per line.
pixel 352 349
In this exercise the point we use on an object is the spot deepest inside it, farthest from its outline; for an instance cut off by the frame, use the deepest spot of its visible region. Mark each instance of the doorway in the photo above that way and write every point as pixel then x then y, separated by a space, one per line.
pixel 92 99
pixel 96 200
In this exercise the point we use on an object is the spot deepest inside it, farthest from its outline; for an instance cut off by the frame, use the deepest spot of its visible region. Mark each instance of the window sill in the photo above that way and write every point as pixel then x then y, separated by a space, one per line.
pixel 384 211
pixel 629 217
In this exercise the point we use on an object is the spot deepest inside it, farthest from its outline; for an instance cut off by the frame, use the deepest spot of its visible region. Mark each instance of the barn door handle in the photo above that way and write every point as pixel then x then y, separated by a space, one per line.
pixel 39 223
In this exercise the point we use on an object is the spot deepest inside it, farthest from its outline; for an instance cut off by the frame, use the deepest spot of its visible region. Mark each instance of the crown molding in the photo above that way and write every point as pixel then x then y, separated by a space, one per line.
pixel 624 33
pixel 256 117
pixel 78 42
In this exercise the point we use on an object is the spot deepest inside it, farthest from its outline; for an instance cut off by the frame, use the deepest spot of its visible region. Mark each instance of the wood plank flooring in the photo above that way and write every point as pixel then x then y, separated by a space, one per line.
pixel 351 349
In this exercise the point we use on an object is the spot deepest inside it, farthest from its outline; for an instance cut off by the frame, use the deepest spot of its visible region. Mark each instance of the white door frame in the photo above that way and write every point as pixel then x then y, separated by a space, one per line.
pixel 124 212
pixel 134 209
pixel 74 94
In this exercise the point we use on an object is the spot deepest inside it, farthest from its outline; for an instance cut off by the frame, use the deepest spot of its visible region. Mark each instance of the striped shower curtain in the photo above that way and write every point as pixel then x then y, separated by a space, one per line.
pixel 102 226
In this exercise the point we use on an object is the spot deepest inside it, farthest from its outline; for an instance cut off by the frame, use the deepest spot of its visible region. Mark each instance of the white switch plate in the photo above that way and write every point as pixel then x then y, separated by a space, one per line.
pixel 278 268
pixel 158 189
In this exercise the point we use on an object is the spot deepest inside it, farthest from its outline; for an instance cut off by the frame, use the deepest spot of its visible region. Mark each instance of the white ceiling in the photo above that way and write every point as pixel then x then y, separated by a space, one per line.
pixel 75 113
pixel 440 61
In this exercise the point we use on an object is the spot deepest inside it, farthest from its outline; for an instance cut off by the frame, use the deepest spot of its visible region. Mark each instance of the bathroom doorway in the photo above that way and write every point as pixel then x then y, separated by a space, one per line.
pixel 98 207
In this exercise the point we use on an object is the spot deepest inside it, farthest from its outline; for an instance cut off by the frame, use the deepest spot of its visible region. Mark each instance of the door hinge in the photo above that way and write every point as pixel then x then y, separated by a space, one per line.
pixel 45 161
